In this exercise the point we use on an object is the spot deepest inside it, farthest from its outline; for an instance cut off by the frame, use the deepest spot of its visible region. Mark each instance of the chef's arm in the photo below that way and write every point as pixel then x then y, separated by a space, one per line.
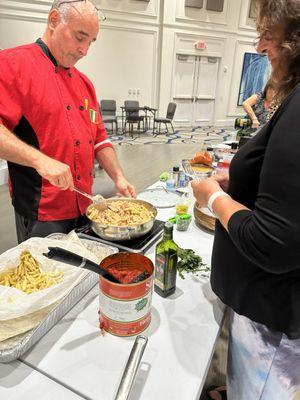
pixel 15 150
pixel 107 159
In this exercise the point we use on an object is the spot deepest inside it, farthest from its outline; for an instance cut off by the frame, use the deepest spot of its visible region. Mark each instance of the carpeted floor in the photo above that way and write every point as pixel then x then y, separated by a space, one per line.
pixel 182 135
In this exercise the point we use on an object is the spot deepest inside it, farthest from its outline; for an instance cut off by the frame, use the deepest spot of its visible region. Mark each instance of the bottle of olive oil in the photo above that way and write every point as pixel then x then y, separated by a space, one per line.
pixel 166 255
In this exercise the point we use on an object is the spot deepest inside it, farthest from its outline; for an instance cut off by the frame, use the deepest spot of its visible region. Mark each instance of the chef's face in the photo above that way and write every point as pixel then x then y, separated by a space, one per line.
pixel 70 40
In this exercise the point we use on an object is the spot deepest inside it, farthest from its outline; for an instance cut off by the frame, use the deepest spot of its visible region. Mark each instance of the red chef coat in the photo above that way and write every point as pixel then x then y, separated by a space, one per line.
pixel 55 110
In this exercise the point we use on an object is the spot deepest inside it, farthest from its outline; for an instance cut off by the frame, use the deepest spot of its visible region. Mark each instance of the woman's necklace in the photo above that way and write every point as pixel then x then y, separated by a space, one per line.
pixel 273 107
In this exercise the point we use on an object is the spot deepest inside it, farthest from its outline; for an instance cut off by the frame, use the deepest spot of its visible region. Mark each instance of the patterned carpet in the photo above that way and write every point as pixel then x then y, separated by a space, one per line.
pixel 184 135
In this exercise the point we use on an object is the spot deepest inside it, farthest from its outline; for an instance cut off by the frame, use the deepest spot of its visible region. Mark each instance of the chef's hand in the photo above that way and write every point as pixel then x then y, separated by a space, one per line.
pixel 223 180
pixel 56 172
pixel 203 189
pixel 124 188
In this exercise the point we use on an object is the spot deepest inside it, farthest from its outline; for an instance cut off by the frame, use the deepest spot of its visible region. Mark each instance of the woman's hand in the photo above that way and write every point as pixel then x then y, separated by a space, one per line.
pixel 223 180
pixel 255 123
pixel 203 189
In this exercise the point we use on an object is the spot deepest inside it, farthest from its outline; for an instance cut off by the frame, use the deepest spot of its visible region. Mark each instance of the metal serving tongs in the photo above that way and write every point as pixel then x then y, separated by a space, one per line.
pixel 99 200
pixel 131 368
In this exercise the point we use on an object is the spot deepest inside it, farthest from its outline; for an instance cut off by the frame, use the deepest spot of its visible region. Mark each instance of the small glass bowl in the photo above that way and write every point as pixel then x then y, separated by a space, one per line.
pixel 183 222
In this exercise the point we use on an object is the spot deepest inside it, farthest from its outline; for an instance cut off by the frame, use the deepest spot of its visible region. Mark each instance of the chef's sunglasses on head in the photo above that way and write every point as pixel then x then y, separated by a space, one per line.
pixel 102 17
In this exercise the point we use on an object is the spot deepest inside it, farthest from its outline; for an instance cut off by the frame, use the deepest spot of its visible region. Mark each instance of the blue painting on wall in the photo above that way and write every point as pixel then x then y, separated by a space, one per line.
pixel 256 71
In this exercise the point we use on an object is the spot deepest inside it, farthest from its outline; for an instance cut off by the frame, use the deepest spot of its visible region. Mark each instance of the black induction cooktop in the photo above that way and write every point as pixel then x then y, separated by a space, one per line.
pixel 138 245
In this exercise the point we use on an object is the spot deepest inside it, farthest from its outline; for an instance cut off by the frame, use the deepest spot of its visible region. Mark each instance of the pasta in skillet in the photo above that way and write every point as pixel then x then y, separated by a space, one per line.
pixel 28 277
pixel 129 213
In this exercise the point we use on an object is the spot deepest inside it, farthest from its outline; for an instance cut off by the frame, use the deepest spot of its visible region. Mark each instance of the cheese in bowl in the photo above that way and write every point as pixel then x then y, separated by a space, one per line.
pixel 202 168
pixel 202 171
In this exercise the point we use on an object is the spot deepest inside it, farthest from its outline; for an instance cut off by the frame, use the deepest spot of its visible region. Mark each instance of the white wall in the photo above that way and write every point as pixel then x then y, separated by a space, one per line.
pixel 123 58
pixel 116 69
pixel 138 44
pixel 227 35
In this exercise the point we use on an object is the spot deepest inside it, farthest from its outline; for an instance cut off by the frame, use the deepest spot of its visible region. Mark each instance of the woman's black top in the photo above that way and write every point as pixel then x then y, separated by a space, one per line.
pixel 256 264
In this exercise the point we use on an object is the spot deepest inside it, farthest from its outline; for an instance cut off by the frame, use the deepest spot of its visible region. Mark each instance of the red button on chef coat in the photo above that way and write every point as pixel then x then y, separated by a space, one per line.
pixel 55 110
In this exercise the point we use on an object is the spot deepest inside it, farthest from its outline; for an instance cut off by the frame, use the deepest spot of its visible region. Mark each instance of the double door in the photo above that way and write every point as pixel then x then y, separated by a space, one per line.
pixel 194 92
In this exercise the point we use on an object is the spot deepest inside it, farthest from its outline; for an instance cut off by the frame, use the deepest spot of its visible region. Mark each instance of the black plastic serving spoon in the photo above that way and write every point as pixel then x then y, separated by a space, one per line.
pixel 66 256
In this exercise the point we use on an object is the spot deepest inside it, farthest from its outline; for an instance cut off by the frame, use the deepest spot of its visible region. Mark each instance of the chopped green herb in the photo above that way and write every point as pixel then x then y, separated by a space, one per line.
pixel 190 262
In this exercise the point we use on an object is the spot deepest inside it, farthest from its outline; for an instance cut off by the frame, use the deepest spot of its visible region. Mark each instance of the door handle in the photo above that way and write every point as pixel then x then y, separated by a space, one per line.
pixel 183 98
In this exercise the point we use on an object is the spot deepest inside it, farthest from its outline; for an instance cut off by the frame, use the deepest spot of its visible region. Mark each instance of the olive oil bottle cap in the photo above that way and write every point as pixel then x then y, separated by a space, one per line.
pixel 168 228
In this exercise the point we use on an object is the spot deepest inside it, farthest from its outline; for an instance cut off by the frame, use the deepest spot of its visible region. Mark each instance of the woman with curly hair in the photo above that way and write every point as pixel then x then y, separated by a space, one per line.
pixel 257 105
pixel 256 253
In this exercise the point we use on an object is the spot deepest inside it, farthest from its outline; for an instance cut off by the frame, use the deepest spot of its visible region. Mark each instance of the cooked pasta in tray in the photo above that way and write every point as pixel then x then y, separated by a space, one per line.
pixel 28 277
pixel 129 213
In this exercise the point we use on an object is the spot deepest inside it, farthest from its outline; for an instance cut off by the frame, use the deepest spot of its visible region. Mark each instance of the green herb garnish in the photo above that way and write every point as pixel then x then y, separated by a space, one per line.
pixel 190 262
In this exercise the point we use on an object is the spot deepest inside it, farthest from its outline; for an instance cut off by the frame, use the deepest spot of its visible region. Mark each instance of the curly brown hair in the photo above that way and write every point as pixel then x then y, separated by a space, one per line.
pixel 283 17
pixel 269 86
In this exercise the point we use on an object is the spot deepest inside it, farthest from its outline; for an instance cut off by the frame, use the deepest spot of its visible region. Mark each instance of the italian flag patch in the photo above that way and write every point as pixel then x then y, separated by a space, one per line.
pixel 94 116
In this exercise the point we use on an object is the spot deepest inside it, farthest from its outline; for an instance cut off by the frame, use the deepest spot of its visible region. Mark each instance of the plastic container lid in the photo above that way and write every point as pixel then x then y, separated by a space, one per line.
pixel 160 197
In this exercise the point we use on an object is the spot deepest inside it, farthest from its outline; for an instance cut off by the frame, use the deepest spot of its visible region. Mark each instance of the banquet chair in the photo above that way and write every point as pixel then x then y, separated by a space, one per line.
pixel 167 120
pixel 108 109
pixel 132 115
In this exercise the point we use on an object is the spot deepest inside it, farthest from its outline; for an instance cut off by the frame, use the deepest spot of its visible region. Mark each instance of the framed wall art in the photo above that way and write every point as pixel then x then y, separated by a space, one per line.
pixel 255 73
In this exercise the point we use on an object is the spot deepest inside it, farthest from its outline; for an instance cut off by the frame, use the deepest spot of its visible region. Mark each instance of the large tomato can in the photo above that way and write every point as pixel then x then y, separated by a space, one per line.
pixel 125 309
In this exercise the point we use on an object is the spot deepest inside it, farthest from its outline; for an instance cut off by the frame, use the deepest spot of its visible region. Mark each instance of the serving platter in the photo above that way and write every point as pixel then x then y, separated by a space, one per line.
pixel 160 197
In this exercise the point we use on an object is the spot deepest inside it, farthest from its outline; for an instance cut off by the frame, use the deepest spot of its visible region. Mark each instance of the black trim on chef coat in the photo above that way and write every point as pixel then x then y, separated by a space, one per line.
pixel 26 187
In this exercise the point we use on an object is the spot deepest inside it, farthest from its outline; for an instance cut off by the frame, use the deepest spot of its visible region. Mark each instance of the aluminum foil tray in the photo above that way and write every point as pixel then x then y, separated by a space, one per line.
pixel 15 347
